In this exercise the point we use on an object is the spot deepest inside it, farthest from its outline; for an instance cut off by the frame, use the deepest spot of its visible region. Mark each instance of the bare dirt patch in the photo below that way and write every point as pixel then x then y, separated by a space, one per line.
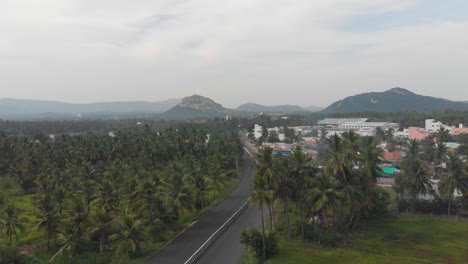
pixel 26 249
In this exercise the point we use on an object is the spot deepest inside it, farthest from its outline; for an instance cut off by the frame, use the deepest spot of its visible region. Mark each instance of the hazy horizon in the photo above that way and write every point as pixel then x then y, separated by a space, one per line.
pixel 249 51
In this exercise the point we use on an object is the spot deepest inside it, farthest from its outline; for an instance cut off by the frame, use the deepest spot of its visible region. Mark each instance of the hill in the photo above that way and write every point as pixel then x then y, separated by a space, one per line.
pixel 252 107
pixel 196 106
pixel 393 100
pixel 10 107
pixel 313 108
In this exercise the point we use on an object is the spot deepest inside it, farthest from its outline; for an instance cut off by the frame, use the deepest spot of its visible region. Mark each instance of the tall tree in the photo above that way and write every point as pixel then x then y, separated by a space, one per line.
pixel 11 222
pixel 260 195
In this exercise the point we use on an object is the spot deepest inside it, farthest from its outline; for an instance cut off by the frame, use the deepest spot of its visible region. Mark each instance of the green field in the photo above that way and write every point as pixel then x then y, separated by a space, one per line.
pixel 408 239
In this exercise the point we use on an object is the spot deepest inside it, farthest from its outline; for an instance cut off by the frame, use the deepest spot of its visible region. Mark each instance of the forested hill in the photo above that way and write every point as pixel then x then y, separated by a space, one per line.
pixel 196 106
pixel 394 100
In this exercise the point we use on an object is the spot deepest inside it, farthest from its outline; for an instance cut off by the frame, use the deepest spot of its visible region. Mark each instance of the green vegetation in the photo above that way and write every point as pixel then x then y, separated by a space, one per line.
pixel 408 239
pixel 101 199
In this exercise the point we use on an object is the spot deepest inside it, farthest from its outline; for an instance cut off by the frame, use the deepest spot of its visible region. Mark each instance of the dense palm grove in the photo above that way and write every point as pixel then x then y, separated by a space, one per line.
pixel 112 195
pixel 326 200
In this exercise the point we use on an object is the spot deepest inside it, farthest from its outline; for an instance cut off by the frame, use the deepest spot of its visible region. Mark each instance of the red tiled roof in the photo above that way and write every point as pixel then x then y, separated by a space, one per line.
pixel 393 155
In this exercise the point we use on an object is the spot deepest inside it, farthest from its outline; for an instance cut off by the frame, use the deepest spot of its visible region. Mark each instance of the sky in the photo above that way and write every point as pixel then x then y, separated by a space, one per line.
pixel 303 52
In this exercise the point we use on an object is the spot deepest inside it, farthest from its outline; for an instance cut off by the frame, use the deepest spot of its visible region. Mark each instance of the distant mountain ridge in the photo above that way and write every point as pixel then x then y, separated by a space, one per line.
pixel 313 108
pixel 393 100
pixel 20 106
pixel 252 107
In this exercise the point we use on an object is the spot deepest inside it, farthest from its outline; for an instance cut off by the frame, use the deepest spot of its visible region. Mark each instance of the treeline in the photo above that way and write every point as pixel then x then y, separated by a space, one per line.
pixel 112 195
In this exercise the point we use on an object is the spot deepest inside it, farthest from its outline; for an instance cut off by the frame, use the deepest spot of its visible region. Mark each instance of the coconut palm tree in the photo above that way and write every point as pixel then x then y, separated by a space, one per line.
pixel 414 178
pixel 453 180
pixel 201 188
pixel 217 176
pixel 48 217
pixel 283 188
pixel 412 146
pixel 301 172
pixel 260 195
pixel 129 234
pixel 370 158
pixel 10 222
pixel 69 238
pixel 264 169
pixel 100 225
pixel 440 153
pixel 326 197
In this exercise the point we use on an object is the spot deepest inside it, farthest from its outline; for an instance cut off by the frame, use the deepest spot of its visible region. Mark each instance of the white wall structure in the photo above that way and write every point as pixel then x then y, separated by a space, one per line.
pixel 281 137
pixel 257 131
pixel 433 126
pixel 401 134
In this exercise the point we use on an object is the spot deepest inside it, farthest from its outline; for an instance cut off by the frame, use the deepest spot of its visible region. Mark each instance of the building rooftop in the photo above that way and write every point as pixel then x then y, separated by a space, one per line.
pixel 337 121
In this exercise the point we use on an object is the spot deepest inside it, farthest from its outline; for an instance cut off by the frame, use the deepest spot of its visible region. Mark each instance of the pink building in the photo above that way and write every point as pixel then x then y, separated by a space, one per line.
pixel 417 133
pixel 459 130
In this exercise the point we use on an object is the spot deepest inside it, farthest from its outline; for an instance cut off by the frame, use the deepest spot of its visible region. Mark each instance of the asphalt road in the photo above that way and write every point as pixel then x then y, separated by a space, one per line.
pixel 182 247
pixel 227 248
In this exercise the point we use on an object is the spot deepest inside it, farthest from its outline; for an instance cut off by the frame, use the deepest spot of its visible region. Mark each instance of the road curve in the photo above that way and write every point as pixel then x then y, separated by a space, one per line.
pixel 182 247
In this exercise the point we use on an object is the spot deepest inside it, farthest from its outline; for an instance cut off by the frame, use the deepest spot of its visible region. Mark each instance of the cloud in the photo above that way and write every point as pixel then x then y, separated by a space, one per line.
pixel 233 51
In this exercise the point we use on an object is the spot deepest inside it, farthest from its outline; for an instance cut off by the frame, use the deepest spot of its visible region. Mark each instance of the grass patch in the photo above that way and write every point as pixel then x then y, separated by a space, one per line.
pixel 408 239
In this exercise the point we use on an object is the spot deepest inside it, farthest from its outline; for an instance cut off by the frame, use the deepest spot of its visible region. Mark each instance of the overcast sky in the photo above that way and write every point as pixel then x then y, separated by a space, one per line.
pixel 305 52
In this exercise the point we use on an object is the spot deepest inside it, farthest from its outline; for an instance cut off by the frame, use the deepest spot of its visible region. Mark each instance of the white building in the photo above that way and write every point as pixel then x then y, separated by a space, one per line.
pixel 281 137
pixel 257 131
pixel 302 130
pixel 433 126
pixel 402 134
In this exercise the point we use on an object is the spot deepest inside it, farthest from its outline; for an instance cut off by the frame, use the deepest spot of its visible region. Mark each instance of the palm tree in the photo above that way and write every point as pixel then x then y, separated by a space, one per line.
pixel 440 152
pixel 100 225
pixel 10 221
pixel 370 159
pixel 283 188
pixel 260 195
pixel 443 135
pixel 69 237
pixel 326 197
pixel 129 234
pixel 453 180
pixel 78 213
pixel 179 189
pixel 412 149
pixel 264 161
pixel 217 177
pixel 341 159
pixel 48 218
pixel 201 187
pixel 415 178
pixel 301 172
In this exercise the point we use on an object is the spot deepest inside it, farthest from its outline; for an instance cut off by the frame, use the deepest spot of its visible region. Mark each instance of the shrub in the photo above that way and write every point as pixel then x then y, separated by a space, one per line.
pixel 438 205
pixel 380 202
pixel 252 239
